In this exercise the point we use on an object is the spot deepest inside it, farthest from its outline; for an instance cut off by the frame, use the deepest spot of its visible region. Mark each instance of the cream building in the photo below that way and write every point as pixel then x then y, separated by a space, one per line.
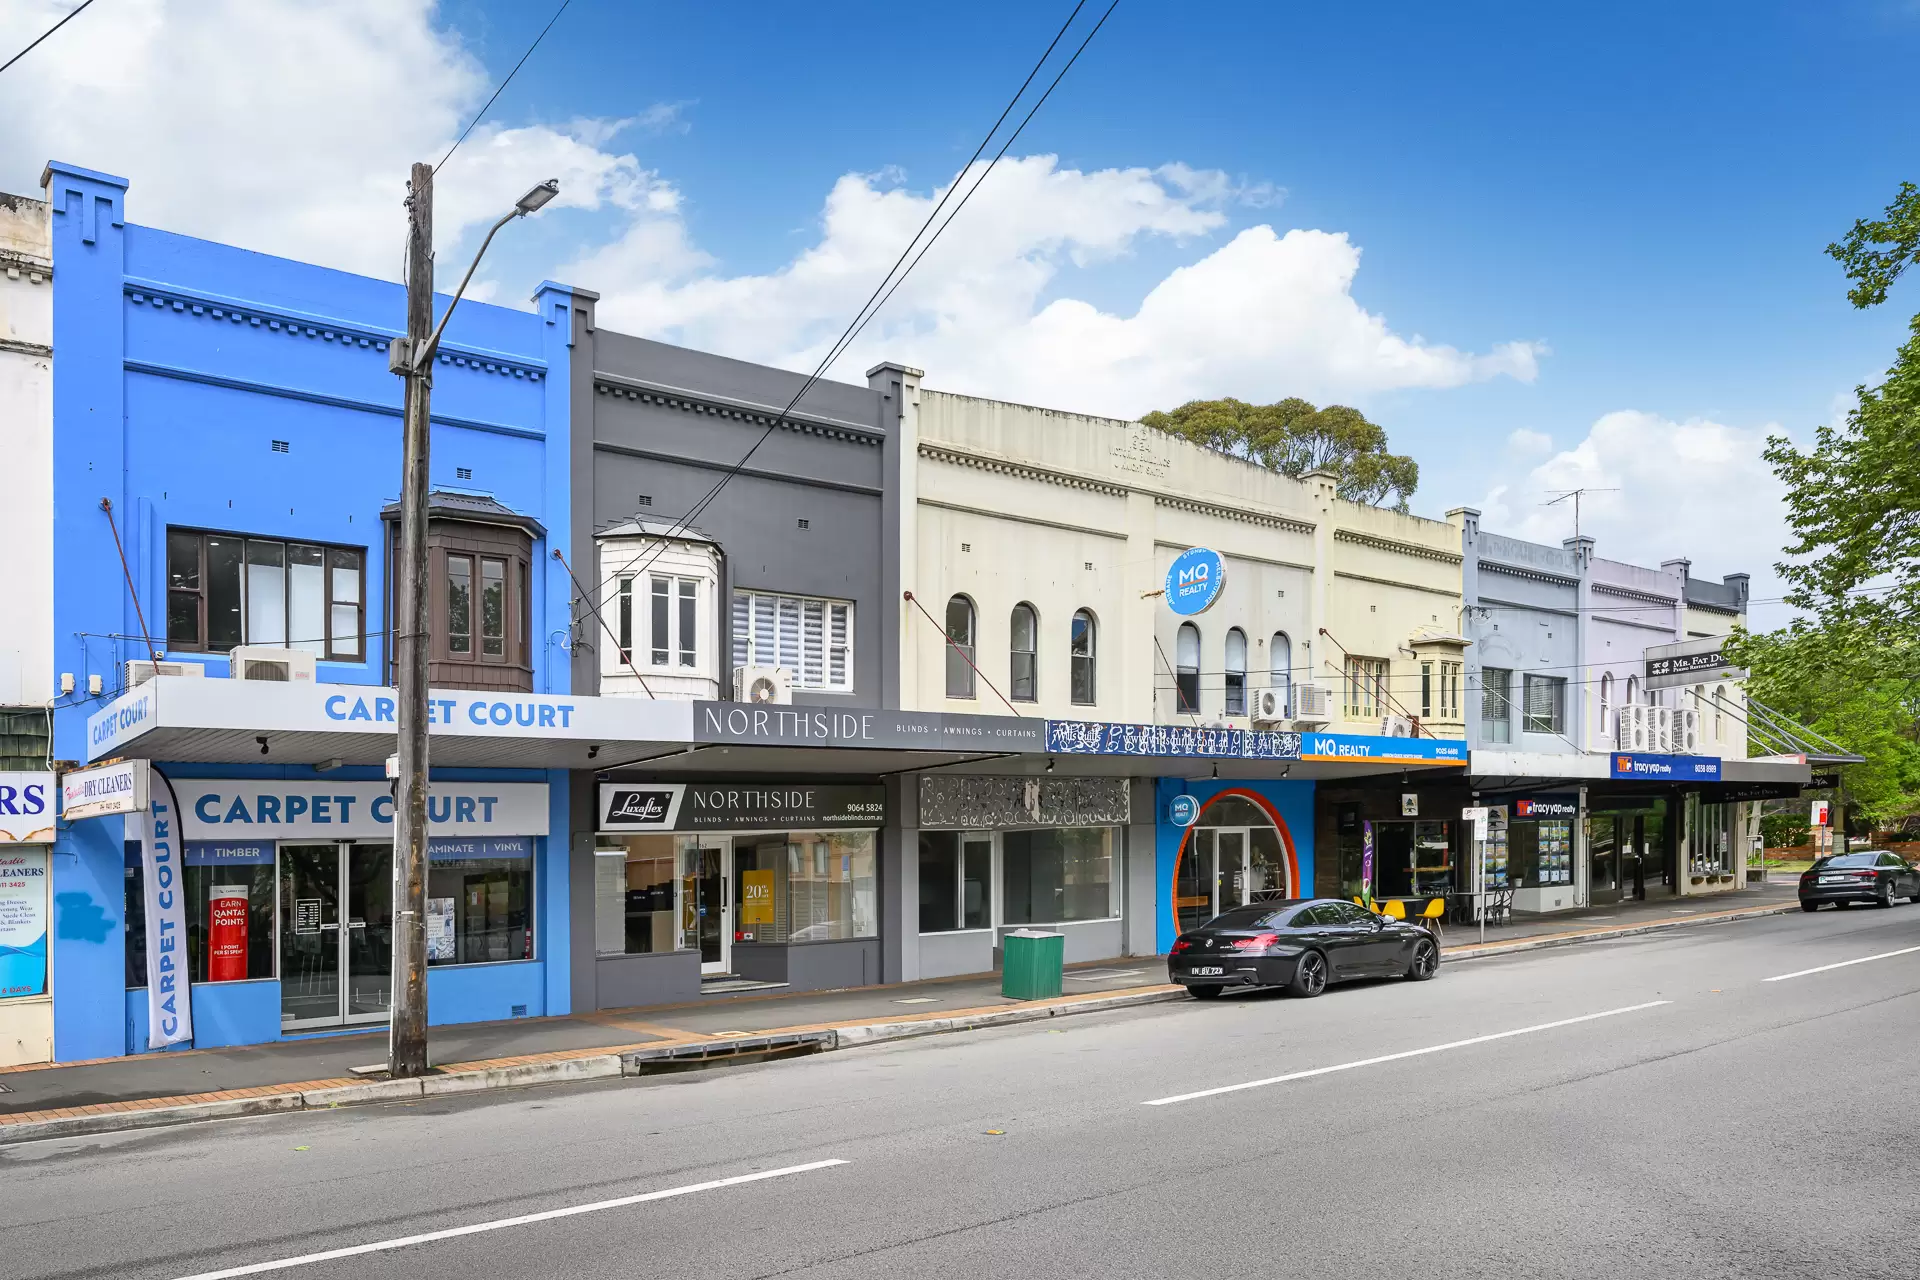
pixel 1040 541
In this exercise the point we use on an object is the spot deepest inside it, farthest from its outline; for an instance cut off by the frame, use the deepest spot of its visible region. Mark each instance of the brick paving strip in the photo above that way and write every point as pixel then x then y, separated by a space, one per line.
pixel 604 1062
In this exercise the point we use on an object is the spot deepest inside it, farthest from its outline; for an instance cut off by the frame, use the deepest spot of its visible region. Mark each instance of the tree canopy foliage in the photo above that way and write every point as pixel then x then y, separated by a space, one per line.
pixel 1850 667
pixel 1293 437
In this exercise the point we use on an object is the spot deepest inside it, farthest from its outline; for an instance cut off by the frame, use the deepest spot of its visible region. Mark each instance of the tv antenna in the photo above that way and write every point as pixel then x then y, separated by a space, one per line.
pixel 1575 494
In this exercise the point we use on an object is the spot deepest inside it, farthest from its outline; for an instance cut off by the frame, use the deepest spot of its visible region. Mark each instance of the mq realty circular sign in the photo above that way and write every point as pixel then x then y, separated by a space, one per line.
pixel 1194 581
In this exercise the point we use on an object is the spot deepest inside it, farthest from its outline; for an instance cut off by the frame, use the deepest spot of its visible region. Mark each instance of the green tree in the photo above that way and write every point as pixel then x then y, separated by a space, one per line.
pixel 1850 668
pixel 1294 437
pixel 1853 499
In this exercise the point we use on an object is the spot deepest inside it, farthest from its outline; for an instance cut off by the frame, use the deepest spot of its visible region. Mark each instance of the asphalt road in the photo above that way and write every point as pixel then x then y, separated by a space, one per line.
pixel 1741 1128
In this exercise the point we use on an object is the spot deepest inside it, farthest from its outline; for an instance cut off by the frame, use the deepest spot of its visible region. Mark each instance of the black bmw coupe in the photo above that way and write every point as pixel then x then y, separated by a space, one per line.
pixel 1299 944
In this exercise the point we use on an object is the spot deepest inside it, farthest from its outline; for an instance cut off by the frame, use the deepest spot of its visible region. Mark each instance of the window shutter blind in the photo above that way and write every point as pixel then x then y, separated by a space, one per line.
pixel 742 638
pixel 837 643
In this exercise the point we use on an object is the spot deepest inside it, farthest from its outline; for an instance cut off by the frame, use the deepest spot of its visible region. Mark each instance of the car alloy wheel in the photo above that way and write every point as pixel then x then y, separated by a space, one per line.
pixel 1886 896
pixel 1426 961
pixel 1204 992
pixel 1309 976
pixel 1809 906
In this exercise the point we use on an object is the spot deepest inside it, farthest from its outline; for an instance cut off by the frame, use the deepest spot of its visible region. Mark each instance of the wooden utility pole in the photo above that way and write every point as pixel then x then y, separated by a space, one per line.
pixel 407 1039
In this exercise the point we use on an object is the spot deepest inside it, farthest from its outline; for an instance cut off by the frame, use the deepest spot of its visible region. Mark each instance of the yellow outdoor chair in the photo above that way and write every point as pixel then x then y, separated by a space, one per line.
pixel 1394 909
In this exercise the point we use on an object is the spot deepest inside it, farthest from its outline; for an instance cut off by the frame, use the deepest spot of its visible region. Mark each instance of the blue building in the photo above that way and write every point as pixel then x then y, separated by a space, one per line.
pixel 226 459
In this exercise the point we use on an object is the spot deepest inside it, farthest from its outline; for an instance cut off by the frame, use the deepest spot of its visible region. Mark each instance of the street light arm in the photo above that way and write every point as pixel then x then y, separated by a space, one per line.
pixel 423 357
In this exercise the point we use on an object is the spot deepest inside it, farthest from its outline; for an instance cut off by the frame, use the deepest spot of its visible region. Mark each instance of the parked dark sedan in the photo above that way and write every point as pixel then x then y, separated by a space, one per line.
pixel 1865 875
pixel 1301 945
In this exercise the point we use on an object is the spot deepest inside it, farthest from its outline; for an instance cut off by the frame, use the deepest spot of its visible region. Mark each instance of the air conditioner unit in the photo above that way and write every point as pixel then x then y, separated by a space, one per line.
pixel 762 684
pixel 1686 731
pixel 264 662
pixel 141 671
pixel 1269 708
pixel 1636 727
pixel 1396 727
pixel 1662 730
pixel 1312 706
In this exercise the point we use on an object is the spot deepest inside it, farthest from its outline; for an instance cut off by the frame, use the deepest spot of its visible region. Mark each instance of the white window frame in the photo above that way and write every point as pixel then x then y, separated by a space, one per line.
pixel 748 653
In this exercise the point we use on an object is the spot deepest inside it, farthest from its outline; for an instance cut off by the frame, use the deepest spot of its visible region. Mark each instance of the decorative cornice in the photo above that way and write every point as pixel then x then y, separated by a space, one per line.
pixel 35 270
pixel 1397 547
pixel 1233 513
pixel 1021 471
pixel 1723 609
pixel 347 337
pixel 1529 575
pixel 738 412
pixel 1645 597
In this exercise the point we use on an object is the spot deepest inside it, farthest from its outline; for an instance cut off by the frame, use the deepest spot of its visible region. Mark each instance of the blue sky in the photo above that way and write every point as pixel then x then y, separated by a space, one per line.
pixel 1640 191
pixel 1645 188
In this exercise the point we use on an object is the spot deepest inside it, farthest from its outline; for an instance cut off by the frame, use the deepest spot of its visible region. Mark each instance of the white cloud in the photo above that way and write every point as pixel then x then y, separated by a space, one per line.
pixel 1262 316
pixel 1528 442
pixel 1695 489
pixel 288 127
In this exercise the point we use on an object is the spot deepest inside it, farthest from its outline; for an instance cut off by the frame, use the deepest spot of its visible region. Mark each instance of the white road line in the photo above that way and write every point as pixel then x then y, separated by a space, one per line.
pixel 282 1264
pixel 1410 1053
pixel 1801 973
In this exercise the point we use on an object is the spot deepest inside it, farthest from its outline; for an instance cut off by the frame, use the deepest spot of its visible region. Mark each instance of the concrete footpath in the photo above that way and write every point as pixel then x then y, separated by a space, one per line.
pixel 318 1071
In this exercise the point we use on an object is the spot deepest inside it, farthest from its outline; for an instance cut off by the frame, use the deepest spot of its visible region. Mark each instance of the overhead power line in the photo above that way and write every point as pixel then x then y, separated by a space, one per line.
pixel 503 84
pixel 882 290
pixel 44 34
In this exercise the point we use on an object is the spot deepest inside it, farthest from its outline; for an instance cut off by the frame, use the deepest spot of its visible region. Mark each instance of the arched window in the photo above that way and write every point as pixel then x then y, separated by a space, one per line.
pixel 1083 640
pixel 1025 647
pixel 1719 711
pixel 1606 708
pixel 1186 665
pixel 1633 690
pixel 959 647
pixel 1280 670
pixel 1236 672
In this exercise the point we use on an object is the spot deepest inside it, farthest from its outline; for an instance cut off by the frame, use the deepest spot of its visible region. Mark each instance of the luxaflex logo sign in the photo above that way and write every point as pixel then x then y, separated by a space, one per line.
pixel 635 807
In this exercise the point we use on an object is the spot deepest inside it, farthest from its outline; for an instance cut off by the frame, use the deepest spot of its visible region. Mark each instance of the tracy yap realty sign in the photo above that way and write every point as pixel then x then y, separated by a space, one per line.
pixel 735 806
pixel 1629 764
pixel 1540 808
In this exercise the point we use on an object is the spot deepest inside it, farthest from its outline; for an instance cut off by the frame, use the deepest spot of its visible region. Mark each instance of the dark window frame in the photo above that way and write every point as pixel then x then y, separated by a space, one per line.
pixel 328 600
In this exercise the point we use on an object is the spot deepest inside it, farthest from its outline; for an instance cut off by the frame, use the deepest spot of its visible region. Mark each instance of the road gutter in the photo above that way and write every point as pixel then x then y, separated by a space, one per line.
pixel 697 1049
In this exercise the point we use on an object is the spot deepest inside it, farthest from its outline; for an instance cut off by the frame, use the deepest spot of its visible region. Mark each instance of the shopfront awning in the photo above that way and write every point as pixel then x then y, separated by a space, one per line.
pixel 177 718
pixel 1490 769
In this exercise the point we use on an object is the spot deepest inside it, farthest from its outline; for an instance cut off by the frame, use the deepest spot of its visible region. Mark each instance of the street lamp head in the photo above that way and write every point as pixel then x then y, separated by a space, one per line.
pixel 538 197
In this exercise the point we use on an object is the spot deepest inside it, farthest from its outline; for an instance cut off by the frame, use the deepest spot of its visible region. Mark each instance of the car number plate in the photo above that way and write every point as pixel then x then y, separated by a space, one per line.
pixel 1833 879
pixel 1206 971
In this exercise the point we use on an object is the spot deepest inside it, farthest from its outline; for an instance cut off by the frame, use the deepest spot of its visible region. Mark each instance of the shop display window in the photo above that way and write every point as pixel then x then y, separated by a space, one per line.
pixel 229 908
pixel 636 895
pixel 1058 875
pixel 479 909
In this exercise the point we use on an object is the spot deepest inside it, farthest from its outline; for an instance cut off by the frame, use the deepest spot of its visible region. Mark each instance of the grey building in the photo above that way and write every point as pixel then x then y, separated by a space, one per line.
pixel 730 541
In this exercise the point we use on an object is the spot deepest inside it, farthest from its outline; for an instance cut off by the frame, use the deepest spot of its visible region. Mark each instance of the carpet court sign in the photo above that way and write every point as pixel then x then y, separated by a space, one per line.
pixel 1195 580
